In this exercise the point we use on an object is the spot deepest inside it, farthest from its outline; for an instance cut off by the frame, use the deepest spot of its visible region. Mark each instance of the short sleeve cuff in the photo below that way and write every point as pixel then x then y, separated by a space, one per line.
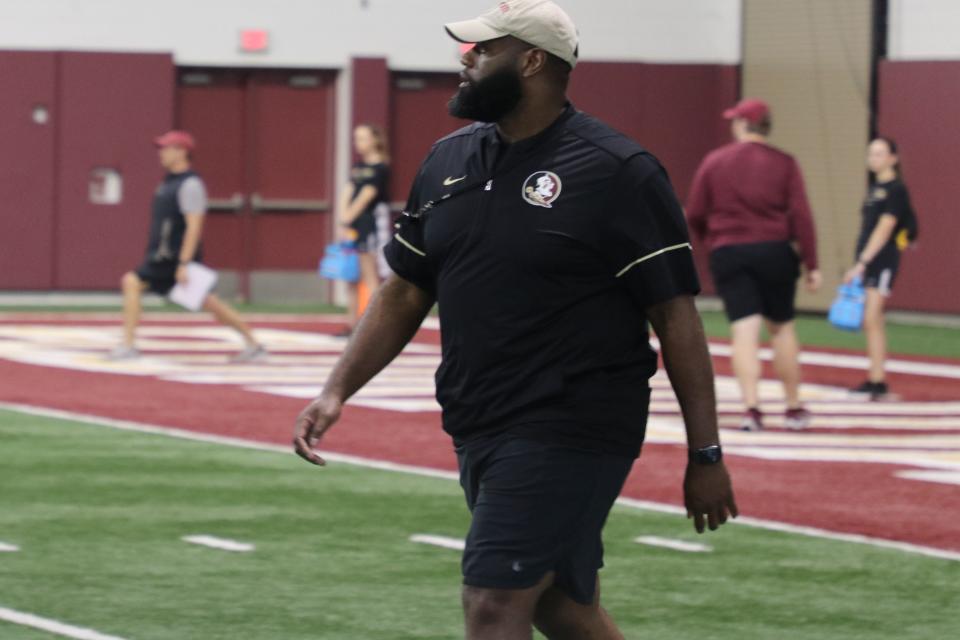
pixel 661 275
pixel 409 262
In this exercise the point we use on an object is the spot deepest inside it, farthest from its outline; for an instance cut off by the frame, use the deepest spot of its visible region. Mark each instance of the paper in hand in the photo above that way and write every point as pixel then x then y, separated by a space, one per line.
pixel 200 281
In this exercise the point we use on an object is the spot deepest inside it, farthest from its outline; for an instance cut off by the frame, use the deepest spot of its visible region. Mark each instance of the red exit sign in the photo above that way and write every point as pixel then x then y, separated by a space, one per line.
pixel 254 40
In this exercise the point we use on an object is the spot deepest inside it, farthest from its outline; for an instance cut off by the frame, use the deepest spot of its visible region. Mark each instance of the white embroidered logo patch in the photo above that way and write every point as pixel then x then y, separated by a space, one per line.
pixel 542 188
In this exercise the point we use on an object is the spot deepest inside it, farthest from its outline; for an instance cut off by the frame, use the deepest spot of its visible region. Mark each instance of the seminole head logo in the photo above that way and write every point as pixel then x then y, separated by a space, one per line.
pixel 542 188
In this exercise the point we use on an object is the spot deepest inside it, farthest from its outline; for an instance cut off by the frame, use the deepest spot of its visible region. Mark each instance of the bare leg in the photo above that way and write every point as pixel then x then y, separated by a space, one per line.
pixel 132 287
pixel 746 361
pixel 874 326
pixel 560 618
pixel 786 359
pixel 227 315
pixel 368 272
pixel 502 614
pixel 353 304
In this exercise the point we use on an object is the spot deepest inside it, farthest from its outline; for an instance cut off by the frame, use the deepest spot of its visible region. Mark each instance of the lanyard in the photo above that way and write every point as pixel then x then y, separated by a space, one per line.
pixel 422 211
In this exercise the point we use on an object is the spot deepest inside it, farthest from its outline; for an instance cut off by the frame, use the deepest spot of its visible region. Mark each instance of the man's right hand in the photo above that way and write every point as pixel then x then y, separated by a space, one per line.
pixel 312 423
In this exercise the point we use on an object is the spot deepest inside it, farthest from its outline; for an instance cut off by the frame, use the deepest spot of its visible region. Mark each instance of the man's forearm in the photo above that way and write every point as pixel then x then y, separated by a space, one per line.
pixel 390 321
pixel 687 361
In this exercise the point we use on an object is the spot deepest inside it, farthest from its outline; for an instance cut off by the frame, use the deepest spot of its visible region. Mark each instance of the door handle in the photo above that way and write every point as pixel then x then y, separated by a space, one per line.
pixel 232 204
pixel 258 204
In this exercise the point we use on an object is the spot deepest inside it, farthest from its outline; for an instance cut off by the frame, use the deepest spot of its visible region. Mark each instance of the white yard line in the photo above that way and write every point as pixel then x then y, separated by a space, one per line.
pixel 223 544
pixel 439 541
pixel 6 547
pixel 52 626
pixel 770 525
pixel 676 545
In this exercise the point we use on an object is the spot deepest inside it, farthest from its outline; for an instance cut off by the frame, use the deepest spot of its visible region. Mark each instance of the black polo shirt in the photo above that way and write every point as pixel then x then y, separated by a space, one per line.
pixel 543 255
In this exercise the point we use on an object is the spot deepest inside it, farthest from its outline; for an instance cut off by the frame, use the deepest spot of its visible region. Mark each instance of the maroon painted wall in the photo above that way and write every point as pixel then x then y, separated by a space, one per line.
pixel 674 110
pixel 370 92
pixel 111 107
pixel 27 80
pixel 918 108
pixel 418 118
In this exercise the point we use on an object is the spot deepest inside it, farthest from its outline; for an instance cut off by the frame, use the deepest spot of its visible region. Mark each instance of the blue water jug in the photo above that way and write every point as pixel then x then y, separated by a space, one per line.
pixel 340 262
pixel 846 312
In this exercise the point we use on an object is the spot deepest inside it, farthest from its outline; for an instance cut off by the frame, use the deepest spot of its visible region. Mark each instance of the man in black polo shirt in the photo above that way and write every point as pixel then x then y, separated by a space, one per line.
pixel 549 241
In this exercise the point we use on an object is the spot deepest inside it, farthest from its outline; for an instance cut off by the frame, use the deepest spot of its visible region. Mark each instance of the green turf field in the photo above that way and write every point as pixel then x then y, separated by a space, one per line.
pixel 99 513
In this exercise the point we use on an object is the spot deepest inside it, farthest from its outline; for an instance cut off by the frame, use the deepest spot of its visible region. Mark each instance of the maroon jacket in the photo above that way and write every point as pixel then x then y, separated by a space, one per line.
pixel 751 192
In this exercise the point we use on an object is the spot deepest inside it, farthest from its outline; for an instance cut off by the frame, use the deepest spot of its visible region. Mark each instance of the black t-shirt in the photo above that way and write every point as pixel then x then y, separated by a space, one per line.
pixel 376 175
pixel 885 197
pixel 543 256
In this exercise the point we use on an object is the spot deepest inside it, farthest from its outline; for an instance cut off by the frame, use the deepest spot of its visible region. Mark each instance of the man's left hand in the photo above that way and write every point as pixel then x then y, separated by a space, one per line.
pixel 708 495
pixel 182 274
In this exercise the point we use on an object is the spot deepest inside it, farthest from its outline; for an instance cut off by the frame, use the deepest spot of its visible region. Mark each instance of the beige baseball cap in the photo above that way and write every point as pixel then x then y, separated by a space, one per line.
pixel 539 22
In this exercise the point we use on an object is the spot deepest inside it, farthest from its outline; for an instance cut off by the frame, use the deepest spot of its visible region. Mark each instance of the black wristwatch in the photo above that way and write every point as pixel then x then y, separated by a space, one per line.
pixel 706 455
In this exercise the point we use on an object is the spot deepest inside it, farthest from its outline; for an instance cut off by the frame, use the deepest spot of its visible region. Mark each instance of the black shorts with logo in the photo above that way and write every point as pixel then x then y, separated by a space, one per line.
pixel 756 278
pixel 537 508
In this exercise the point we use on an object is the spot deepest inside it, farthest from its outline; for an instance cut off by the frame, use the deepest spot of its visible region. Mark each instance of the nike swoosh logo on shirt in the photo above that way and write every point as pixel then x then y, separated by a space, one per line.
pixel 450 181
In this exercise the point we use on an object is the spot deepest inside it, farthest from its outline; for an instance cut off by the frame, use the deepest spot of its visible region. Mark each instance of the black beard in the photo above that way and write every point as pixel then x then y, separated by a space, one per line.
pixel 490 99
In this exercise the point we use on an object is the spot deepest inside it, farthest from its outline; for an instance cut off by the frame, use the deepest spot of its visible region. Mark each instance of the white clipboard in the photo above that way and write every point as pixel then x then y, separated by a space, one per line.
pixel 200 281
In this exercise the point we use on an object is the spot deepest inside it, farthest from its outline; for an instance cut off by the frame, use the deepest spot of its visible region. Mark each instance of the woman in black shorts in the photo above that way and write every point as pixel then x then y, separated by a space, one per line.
pixel 359 202
pixel 888 225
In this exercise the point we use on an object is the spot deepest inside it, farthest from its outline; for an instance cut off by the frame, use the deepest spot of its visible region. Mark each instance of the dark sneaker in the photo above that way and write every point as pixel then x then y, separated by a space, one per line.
pixel 880 391
pixel 752 420
pixel 866 388
pixel 876 390
pixel 797 419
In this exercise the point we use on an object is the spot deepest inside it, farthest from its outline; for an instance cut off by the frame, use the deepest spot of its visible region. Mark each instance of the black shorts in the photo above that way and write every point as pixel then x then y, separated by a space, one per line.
pixel 882 270
pixel 365 227
pixel 757 278
pixel 537 508
pixel 160 277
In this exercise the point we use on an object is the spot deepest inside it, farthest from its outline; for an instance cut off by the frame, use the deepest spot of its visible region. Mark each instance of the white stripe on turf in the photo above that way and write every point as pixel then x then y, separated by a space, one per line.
pixel 219 543
pixel 7 547
pixel 943 477
pixel 451 475
pixel 52 626
pixel 438 541
pixel 676 545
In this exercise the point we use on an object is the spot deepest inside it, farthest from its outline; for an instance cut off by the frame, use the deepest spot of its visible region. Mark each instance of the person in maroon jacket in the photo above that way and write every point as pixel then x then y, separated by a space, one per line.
pixel 749 205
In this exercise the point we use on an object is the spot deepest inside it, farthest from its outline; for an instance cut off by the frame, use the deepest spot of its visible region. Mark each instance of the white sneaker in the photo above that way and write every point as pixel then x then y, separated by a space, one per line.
pixel 250 353
pixel 123 352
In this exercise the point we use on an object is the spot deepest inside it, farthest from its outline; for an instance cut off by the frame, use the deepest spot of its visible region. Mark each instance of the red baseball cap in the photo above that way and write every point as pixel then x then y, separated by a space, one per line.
pixel 751 109
pixel 176 139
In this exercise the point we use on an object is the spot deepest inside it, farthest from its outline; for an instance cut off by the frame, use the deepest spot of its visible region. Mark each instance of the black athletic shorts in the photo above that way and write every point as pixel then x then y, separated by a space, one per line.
pixel 882 270
pixel 160 276
pixel 537 508
pixel 757 278
pixel 365 227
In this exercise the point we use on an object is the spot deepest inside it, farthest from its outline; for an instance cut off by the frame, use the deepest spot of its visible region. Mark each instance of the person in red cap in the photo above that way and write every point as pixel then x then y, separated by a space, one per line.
pixel 179 206
pixel 749 205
